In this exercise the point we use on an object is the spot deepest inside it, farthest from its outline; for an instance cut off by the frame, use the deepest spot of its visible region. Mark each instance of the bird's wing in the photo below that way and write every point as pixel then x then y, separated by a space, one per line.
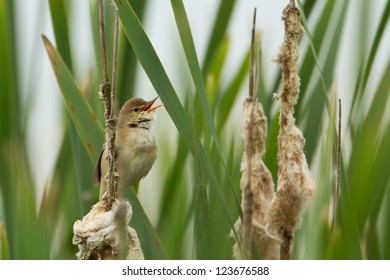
pixel 97 176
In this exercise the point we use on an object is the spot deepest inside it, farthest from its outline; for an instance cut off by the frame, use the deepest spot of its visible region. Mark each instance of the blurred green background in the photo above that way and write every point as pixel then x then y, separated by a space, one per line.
pixel 195 56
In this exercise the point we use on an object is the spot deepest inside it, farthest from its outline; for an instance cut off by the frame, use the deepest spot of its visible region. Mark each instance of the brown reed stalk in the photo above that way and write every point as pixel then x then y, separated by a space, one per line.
pixel 247 196
pixel 104 232
pixel 108 98
pixel 337 183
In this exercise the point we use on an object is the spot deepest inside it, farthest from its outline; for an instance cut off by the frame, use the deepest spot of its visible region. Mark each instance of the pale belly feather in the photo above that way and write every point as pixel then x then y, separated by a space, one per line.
pixel 138 159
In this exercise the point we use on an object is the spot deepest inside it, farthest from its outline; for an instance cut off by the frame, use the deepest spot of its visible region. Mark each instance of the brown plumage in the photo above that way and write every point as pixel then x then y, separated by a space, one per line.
pixel 135 143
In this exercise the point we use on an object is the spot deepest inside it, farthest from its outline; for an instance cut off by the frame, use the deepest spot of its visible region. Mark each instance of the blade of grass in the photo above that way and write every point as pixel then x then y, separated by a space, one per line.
pixel 192 60
pixel 222 20
pixel 308 34
pixel 308 7
pixel 308 65
pixel 386 231
pixel 10 127
pixel 172 199
pixel 219 59
pixel 152 65
pixel 158 77
pixel 59 19
pixel 213 80
pixel 316 104
pixel 365 69
pixel 4 249
pixel 373 50
pixel 202 223
pixel 150 243
pixel 127 61
pixel 368 135
pixel 366 168
pixel 74 202
pixel 228 97
pixel 30 239
pixel 9 91
pixel 78 108
pixel 82 169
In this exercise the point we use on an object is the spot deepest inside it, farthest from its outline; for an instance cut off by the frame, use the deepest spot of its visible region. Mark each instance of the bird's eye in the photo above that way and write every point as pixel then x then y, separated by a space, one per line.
pixel 136 109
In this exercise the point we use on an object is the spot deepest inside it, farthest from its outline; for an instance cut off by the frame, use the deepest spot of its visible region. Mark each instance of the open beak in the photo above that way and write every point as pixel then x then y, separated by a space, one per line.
pixel 149 108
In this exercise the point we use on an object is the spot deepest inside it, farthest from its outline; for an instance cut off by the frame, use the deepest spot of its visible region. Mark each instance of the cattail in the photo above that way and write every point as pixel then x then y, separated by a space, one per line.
pixel 271 219
pixel 103 234
pixel 258 178
pixel 295 185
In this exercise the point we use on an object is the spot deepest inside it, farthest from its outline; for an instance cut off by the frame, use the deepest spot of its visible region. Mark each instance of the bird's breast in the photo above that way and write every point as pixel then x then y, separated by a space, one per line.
pixel 136 156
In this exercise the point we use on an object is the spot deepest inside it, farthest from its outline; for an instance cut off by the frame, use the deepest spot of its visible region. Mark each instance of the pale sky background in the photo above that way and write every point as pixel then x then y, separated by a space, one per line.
pixel 47 106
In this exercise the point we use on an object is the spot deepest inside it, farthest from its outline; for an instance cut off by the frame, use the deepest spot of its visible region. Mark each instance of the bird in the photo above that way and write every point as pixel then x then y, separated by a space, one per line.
pixel 135 144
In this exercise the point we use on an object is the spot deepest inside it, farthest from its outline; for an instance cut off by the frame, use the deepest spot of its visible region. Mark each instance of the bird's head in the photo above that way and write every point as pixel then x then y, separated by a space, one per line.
pixel 137 113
